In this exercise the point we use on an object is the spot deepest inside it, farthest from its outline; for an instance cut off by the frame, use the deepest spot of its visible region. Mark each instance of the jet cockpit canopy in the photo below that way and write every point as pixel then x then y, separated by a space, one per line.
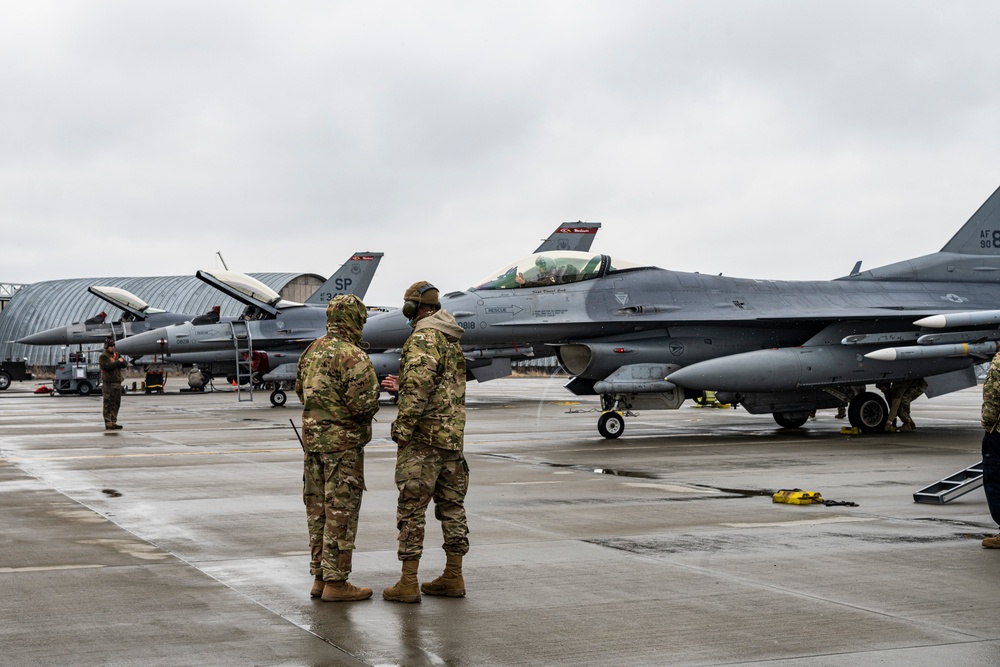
pixel 259 298
pixel 555 267
pixel 247 286
pixel 125 300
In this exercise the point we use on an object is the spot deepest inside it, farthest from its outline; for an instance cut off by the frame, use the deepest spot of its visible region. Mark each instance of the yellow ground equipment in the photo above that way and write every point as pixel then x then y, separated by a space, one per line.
pixel 800 497
pixel 797 497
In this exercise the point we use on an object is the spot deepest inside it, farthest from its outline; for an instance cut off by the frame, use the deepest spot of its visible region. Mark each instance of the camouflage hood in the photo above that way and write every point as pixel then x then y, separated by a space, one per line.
pixel 443 321
pixel 345 318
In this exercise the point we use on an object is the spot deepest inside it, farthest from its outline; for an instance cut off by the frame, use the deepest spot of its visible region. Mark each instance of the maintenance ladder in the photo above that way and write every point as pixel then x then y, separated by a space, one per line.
pixel 244 358
pixel 951 487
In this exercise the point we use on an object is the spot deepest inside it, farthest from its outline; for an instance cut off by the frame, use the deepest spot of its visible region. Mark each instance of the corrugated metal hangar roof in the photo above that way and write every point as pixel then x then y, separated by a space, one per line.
pixel 56 303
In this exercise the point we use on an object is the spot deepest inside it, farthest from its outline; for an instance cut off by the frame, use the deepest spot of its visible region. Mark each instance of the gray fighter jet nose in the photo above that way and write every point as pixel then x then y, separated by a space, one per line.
pixel 55 336
pixel 150 342
pixel 386 330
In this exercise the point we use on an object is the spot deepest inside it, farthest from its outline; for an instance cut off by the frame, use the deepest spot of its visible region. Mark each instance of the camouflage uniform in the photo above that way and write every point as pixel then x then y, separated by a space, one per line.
pixel 903 393
pixel 991 439
pixel 111 385
pixel 339 392
pixel 430 430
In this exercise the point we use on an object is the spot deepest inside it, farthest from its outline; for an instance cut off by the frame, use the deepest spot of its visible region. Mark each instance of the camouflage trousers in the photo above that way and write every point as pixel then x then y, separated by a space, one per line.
pixel 333 483
pixel 902 396
pixel 112 393
pixel 991 473
pixel 425 473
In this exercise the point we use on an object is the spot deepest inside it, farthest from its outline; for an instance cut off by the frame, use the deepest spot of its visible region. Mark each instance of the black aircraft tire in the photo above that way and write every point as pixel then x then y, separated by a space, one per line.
pixel 4 380
pixel 278 398
pixel 868 412
pixel 788 422
pixel 611 425
pixel 84 388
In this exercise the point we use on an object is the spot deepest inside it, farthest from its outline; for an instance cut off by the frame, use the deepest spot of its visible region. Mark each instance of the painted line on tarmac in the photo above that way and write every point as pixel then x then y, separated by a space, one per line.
pixel 48 568
pixel 21 459
pixel 801 522
pixel 554 481
pixel 16 459
pixel 673 488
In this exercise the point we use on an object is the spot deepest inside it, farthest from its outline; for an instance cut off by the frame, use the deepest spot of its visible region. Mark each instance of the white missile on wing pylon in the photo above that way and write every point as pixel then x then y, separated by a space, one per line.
pixel 935 351
pixel 968 319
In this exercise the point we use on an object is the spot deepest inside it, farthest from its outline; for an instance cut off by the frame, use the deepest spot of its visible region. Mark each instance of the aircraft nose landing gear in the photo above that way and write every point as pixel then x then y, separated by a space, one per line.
pixel 279 398
pixel 612 421
pixel 611 425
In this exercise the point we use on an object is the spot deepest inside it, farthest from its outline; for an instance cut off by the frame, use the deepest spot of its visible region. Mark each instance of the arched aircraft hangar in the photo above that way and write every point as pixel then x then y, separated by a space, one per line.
pixel 55 303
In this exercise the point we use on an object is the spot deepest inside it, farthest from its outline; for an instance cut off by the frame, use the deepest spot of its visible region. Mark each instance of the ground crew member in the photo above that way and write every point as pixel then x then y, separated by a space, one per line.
pixel 429 432
pixel 339 392
pixel 991 446
pixel 111 383
pixel 902 393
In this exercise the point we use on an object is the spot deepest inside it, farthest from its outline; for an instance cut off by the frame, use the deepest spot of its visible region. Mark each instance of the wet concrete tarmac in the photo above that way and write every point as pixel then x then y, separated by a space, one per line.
pixel 181 540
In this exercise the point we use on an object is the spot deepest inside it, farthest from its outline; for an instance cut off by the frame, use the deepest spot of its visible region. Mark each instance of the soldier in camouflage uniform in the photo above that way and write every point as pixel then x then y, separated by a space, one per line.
pixel 339 392
pixel 111 383
pixel 429 432
pixel 991 446
pixel 900 395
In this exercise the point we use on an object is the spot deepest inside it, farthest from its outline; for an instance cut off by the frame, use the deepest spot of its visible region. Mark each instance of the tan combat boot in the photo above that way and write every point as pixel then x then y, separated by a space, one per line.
pixel 344 591
pixel 317 588
pixel 406 589
pixel 992 542
pixel 450 583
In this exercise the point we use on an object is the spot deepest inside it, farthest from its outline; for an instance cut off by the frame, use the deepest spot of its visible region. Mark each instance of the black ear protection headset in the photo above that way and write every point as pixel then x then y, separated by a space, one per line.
pixel 410 307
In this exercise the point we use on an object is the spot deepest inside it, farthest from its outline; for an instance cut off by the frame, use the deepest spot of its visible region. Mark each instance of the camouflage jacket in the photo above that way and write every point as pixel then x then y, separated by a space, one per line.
pixel 111 368
pixel 991 395
pixel 432 385
pixel 336 382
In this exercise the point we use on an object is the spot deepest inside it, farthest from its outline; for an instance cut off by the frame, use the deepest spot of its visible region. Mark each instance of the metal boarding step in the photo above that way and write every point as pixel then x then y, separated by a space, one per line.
pixel 951 487
pixel 244 358
pixel 117 330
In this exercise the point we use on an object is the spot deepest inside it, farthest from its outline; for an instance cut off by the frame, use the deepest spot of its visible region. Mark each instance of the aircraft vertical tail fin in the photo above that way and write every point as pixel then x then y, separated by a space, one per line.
pixel 571 236
pixel 972 255
pixel 981 234
pixel 353 277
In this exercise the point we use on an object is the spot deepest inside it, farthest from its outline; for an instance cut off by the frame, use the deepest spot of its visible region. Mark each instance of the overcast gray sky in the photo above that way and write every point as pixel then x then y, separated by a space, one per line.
pixel 764 139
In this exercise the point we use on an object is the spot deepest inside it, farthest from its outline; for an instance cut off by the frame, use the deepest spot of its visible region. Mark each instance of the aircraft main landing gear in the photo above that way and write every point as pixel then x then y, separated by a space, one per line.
pixel 868 412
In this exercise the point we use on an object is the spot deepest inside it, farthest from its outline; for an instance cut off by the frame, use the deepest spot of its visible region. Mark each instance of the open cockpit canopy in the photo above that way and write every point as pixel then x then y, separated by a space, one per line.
pixel 123 299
